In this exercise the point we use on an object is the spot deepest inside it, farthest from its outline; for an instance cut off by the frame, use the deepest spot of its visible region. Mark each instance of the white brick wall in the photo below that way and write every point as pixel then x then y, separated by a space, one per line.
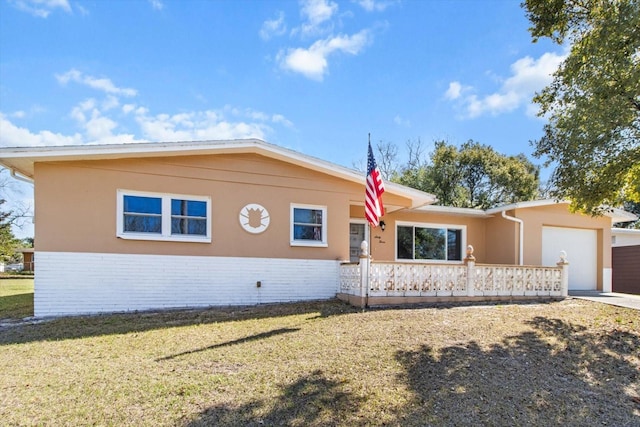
pixel 81 283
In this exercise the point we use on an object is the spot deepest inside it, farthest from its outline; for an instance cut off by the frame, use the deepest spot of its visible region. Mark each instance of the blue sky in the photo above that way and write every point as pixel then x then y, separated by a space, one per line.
pixel 316 76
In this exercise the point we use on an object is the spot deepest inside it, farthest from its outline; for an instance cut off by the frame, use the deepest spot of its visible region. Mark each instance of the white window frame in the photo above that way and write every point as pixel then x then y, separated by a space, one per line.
pixel 463 241
pixel 311 243
pixel 165 235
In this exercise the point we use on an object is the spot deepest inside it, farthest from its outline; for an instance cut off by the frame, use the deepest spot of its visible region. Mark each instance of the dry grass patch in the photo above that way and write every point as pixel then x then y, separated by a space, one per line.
pixel 571 362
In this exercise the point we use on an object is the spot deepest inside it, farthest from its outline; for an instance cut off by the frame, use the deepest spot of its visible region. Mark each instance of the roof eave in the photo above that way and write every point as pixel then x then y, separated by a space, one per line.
pixel 22 159
pixel 450 210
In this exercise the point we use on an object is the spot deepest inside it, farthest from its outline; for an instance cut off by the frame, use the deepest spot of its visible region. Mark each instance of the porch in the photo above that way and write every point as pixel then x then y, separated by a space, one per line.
pixel 372 283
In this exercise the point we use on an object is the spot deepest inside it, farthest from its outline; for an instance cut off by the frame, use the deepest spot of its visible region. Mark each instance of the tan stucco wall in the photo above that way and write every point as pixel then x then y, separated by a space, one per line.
pixel 76 204
pixel 502 242
pixel 496 239
pixel 383 243
pixel 558 215
pixel 76 210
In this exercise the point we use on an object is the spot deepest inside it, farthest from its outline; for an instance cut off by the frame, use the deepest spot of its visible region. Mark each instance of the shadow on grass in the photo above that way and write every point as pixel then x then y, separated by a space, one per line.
pixel 558 374
pixel 110 324
pixel 16 306
pixel 578 380
pixel 250 338
pixel 311 400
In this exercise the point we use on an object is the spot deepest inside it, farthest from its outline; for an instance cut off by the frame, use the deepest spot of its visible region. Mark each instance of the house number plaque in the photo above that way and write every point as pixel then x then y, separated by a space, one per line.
pixel 254 218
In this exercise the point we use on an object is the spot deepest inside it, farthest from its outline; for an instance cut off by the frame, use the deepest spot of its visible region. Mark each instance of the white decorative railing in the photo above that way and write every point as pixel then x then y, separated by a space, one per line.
pixel 409 279
pixel 350 278
pixel 380 279
pixel 517 280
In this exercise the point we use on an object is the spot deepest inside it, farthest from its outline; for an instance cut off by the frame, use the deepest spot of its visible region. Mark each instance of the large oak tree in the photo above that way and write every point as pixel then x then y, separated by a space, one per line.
pixel 592 136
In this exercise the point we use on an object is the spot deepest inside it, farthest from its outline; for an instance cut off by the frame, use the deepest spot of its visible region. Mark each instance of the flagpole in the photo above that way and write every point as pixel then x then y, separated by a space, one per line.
pixel 370 228
pixel 373 207
pixel 370 243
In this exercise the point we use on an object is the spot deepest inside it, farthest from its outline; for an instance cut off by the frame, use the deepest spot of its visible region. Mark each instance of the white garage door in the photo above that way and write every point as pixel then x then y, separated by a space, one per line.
pixel 582 254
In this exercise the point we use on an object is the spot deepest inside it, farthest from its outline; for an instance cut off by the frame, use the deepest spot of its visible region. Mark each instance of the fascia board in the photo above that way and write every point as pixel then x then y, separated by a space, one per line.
pixel 22 159
pixel 450 210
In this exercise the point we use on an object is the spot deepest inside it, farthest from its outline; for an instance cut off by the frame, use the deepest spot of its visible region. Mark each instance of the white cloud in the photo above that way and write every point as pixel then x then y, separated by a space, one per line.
pixel 454 91
pixel 273 27
pixel 279 118
pixel 41 8
pixel 316 12
pixel 317 17
pixel 375 5
pixel 105 121
pixel 528 75
pixel 102 84
pixel 99 128
pixel 199 125
pixel 401 121
pixel 127 108
pixel 312 62
pixel 157 4
pixel 15 136
pixel 110 103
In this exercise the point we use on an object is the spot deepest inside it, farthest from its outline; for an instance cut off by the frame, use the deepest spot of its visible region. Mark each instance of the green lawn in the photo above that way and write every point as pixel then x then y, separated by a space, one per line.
pixel 16 298
pixel 327 364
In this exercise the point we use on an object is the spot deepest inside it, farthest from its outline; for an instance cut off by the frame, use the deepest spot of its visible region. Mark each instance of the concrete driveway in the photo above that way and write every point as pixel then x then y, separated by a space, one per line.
pixel 612 298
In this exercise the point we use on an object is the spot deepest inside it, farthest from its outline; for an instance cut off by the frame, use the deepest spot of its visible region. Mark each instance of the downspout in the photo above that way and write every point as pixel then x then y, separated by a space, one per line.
pixel 521 239
pixel 20 178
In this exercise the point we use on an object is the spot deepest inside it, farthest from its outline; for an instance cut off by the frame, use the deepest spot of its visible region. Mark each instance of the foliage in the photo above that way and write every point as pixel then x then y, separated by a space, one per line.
pixel 593 104
pixel 8 242
pixel 14 216
pixel 473 176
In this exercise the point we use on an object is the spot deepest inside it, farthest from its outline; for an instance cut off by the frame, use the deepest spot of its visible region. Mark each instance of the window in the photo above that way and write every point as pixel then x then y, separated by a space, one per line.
pixel 188 217
pixel 429 242
pixel 308 225
pixel 149 216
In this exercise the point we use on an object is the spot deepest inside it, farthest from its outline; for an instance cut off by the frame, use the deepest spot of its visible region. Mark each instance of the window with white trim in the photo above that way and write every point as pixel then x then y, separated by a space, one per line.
pixel 429 242
pixel 308 225
pixel 154 216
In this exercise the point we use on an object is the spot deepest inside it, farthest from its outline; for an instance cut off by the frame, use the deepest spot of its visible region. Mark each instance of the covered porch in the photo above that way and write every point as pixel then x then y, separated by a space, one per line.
pixel 370 283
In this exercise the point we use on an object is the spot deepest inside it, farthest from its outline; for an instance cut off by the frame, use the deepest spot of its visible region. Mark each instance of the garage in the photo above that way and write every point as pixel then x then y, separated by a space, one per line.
pixel 581 247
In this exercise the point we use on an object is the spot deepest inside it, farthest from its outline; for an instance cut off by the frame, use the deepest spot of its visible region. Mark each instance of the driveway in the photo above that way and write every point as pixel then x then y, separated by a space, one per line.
pixel 612 298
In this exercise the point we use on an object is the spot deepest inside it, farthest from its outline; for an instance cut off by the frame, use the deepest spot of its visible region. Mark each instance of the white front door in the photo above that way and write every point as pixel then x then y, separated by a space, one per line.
pixel 357 233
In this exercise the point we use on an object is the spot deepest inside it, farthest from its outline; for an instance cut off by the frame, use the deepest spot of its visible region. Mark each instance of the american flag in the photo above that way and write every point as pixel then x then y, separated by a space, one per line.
pixel 373 208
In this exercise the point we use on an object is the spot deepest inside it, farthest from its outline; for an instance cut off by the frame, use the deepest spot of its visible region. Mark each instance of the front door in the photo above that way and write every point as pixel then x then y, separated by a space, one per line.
pixel 357 233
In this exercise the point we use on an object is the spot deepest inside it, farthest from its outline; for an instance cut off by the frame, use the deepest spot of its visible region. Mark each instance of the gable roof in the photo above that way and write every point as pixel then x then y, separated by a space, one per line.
pixel 21 160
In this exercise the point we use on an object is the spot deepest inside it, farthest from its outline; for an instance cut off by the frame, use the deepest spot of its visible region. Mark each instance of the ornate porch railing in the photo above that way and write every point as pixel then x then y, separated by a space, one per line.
pixel 403 279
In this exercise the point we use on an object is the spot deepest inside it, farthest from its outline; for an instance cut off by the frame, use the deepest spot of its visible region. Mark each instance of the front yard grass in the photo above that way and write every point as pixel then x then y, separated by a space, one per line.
pixel 327 364
pixel 16 298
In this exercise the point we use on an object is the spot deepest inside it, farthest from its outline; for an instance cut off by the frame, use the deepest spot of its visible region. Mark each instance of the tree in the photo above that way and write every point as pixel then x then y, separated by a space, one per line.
pixel 8 242
pixel 388 158
pixel 474 176
pixel 593 104
pixel 8 219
